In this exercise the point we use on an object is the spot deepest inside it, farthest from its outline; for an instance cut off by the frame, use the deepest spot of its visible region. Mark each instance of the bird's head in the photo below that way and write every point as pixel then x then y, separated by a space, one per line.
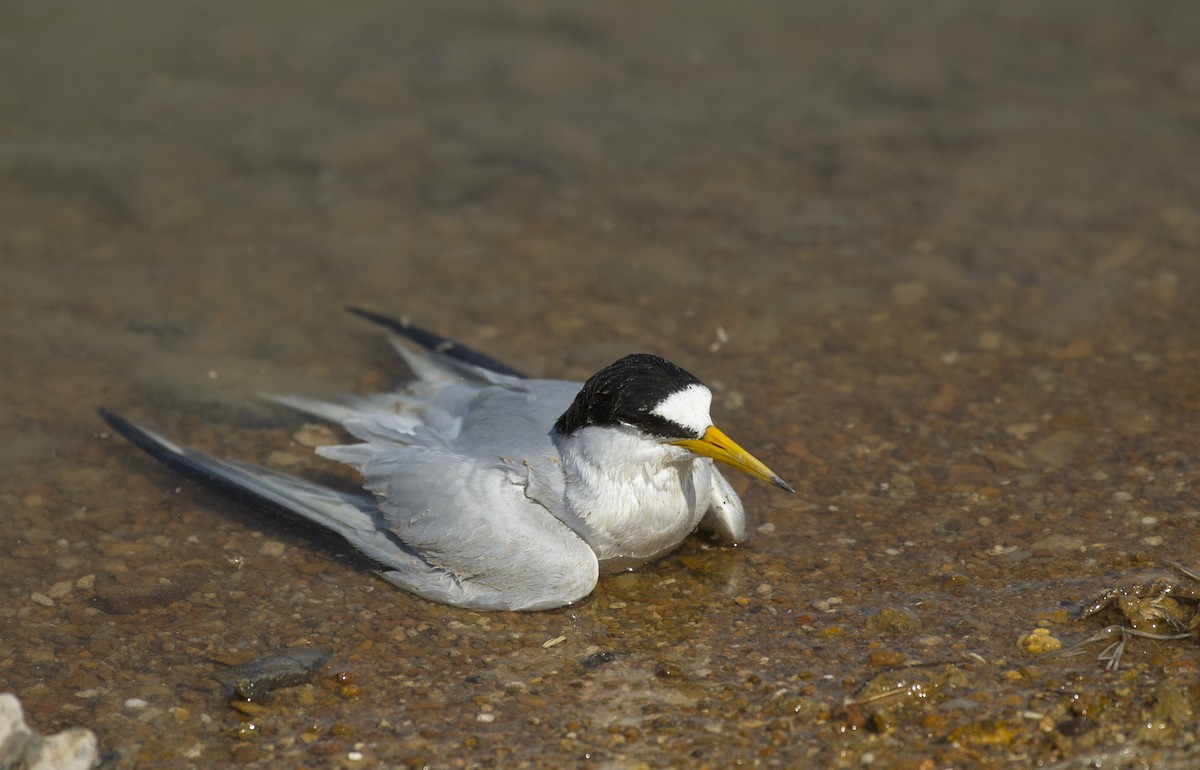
pixel 666 403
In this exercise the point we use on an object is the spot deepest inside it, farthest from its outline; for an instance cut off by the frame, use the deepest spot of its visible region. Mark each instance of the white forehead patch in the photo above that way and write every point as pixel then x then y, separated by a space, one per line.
pixel 688 407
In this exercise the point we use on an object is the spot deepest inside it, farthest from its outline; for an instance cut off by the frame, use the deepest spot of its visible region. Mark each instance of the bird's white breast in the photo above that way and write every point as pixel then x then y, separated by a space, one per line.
pixel 635 497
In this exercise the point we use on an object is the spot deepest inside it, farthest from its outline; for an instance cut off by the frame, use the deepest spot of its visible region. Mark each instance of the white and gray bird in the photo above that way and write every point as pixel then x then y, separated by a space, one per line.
pixel 488 490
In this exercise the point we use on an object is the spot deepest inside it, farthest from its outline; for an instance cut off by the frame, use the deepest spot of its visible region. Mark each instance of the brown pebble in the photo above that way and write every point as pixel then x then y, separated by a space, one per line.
pixel 121 600
pixel 933 723
pixel 970 476
pixel 847 718
pixel 249 708
pixel 894 620
pixel 668 670
pixel 245 752
pixel 955 582
pixel 341 729
pixel 885 658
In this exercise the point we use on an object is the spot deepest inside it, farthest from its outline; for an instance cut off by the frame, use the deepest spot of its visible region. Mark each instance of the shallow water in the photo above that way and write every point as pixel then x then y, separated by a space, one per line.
pixel 938 263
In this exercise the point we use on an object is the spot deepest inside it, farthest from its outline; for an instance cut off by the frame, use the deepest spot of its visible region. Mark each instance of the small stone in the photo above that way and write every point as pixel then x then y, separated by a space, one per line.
pixel 885 658
pixel 285 668
pixel 59 590
pixel 1060 543
pixel 1058 450
pixel 894 620
pixel 313 435
pixel 827 605
pixel 245 753
pixel 126 600
pixel 1038 642
pixel 20 746
pixel 626 581
pixel 40 598
pixel 990 733
pixel 596 660
pixel 272 548
pixel 970 476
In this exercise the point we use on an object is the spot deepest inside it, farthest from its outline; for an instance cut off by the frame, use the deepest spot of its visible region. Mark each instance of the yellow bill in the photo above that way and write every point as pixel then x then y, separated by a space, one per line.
pixel 718 446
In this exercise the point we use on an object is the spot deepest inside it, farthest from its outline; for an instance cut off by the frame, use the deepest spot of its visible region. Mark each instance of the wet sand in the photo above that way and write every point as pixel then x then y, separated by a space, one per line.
pixel 939 265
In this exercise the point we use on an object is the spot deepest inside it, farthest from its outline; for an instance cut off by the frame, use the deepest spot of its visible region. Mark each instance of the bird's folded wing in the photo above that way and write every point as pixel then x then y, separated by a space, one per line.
pixel 469 519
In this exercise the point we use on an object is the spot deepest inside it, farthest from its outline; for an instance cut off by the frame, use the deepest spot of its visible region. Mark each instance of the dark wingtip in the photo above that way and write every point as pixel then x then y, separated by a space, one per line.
pixel 436 343
pixel 395 324
pixel 125 428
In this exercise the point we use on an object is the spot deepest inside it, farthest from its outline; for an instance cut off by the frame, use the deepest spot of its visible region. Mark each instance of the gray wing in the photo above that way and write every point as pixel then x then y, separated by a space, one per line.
pixel 473 540
pixel 464 473
pixel 491 547
pixel 482 502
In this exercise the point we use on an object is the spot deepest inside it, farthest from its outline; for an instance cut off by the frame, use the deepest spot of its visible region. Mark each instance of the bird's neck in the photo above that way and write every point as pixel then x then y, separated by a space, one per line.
pixel 633 498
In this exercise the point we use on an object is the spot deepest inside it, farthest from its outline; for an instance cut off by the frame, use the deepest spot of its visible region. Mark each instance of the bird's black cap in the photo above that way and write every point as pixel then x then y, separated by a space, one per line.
pixel 626 392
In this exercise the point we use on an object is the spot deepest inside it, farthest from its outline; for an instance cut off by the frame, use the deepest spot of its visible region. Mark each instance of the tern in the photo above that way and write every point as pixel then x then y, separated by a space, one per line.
pixel 489 490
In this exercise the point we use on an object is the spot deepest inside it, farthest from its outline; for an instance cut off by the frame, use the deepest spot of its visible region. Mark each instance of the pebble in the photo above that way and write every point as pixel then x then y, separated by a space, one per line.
pixel 272 548
pixel 126 600
pixel 885 658
pixel 1038 642
pixel 22 747
pixel 59 590
pixel 916 682
pixel 897 621
pixel 284 668
pixel 596 660
pixel 313 435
